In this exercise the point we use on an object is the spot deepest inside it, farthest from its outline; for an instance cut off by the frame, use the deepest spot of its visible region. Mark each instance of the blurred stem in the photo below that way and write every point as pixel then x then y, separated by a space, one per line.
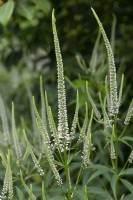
pixel 86 193
pixel 43 191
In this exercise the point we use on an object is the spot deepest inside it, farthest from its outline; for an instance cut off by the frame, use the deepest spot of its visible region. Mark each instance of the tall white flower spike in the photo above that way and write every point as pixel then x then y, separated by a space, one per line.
pixel 63 129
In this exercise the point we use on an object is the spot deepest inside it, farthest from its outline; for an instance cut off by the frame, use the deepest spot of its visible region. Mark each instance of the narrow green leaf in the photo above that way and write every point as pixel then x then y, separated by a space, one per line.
pixel 81 63
pixel 128 138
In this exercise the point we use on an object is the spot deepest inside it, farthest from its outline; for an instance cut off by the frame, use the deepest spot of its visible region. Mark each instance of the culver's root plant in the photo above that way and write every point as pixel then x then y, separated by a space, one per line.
pixel 79 171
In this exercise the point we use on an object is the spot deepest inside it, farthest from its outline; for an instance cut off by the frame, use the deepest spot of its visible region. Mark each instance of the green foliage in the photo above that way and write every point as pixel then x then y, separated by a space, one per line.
pixel 85 162
pixel 6 12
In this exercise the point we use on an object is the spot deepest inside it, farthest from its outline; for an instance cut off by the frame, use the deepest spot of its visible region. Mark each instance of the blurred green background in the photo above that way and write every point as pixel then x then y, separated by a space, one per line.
pixel 27 49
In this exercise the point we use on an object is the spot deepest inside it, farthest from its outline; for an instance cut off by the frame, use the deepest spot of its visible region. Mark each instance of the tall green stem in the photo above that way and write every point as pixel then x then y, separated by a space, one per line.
pixel 67 176
pixel 116 161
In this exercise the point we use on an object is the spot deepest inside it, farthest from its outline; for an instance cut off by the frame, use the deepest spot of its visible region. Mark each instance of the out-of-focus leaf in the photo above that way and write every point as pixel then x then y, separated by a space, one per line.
pixel 128 171
pixel 100 192
pixel 113 184
pixel 128 138
pixel 6 12
pixel 25 11
pixel 20 194
pixel 128 197
pixel 128 185
pixel 80 194
pixel 97 173
pixel 43 5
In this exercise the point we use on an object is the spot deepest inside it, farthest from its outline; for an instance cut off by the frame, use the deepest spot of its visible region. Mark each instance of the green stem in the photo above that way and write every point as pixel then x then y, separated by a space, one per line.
pixel 67 176
pixel 116 161
pixel 116 169
pixel 43 191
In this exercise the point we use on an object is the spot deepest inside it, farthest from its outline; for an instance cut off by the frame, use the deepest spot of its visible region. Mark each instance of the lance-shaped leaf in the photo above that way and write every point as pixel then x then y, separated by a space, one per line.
pixel 15 136
pixel 63 130
pixel 4 122
pixel 112 70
